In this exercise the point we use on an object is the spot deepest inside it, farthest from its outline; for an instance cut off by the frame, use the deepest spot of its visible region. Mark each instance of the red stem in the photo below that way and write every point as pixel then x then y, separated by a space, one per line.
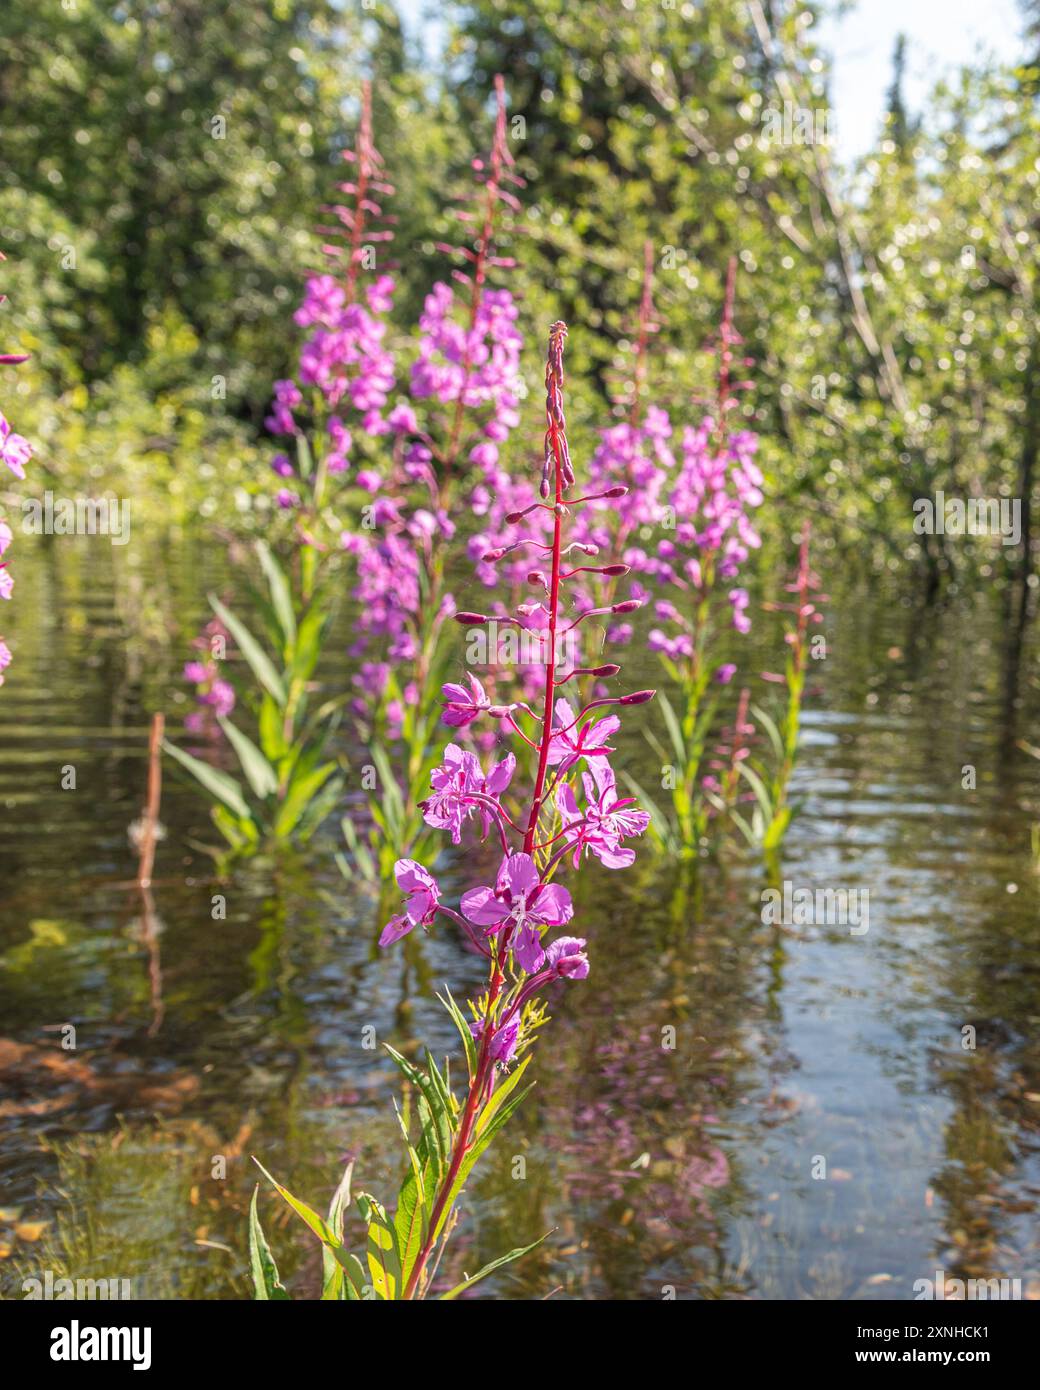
pixel 484 242
pixel 550 669
pixel 365 162
pixel 484 1071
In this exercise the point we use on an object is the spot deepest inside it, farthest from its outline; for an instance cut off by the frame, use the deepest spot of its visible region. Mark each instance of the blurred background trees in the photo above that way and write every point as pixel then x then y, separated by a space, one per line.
pixel 164 164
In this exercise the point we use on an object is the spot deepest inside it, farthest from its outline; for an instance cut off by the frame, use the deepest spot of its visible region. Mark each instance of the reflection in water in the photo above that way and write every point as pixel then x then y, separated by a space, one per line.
pixel 693 1095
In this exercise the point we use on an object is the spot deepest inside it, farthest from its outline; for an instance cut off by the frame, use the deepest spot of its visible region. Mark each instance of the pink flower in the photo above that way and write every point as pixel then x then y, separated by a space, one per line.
pixel 463 706
pixel 518 905
pixel 572 743
pixel 456 783
pixel 222 697
pixel 402 420
pixel 286 397
pixel 566 958
pixel 423 896
pixel 16 452
pixel 606 821
pixel 503 1042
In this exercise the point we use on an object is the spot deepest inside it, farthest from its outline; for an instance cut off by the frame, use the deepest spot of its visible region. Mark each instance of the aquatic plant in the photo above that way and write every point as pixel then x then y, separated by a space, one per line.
pixel 506 921
pixel 15 452
pixel 398 469
pixel 772 812
pixel 696 489
pixel 289 785
pixel 462 406
pixel 336 404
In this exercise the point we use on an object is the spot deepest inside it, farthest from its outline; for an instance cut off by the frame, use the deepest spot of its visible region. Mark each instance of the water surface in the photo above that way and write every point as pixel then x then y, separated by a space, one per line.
pixel 724 1109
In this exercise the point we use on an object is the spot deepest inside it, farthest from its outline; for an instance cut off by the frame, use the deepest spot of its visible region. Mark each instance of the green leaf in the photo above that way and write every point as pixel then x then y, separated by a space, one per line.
pixel 772 731
pixel 440 1085
pixel 326 1233
pixel 340 1201
pixel 500 1095
pixel 432 1094
pixel 302 788
pixel 758 787
pixel 309 641
pixel 260 774
pixel 495 1264
pixel 748 832
pixel 317 1223
pixel 334 1277
pixel 474 1153
pixel 217 783
pixel 662 826
pixel 238 832
pixel 281 595
pixel 304 459
pixel 259 662
pixel 384 1261
pixel 321 806
pixel 672 720
pixel 364 861
pixel 468 1040
pixel 272 738
pixel 266 1282
pixel 410 1219
pixel 390 793
pixel 777 828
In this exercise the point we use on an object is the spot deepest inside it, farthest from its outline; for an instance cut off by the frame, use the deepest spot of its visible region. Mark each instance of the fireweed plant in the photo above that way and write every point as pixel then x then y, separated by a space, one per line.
pixel 15 452
pixel 290 785
pixel 772 811
pixel 375 482
pixel 573 810
pixel 448 436
pixel 717 487
pixel 628 469
pixel 696 489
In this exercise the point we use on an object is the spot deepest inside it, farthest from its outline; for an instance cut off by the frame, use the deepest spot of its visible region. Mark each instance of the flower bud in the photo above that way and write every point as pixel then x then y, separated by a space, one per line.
pixel 639 697
pixel 499 711
pixel 629 605
pixel 471 619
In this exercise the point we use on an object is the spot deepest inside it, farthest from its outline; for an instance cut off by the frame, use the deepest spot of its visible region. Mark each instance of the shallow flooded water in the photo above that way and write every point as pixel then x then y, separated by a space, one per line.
pixel 726 1108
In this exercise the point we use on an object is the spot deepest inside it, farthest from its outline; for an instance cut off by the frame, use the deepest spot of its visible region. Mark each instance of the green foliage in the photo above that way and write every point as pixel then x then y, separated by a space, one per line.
pixel 891 312
pixel 289 786
pixel 398 1247
pixel 186 146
